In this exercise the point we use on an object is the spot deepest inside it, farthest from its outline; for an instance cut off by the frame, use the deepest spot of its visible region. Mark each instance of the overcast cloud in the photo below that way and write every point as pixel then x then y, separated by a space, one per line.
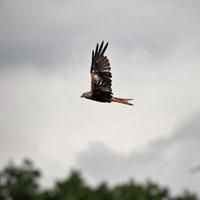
pixel 167 160
pixel 45 55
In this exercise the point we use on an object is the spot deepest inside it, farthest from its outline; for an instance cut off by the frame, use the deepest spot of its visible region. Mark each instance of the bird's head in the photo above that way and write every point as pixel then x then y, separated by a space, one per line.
pixel 86 95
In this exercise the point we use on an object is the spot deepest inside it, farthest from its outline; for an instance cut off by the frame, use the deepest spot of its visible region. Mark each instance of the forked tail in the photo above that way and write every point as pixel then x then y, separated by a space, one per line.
pixel 122 100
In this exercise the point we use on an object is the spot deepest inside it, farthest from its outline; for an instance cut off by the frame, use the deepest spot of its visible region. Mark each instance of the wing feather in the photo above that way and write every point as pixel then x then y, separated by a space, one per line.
pixel 100 74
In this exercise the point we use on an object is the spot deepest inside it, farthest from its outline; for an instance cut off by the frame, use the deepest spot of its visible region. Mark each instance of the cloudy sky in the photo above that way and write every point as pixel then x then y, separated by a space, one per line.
pixel 45 55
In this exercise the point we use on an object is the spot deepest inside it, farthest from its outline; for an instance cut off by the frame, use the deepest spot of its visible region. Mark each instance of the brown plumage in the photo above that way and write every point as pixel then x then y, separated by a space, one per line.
pixel 101 78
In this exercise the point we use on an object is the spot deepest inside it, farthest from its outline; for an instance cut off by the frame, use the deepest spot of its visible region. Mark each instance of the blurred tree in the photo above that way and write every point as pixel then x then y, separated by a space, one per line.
pixel 186 196
pixel 128 191
pixel 73 188
pixel 19 182
pixel 155 192
pixel 103 192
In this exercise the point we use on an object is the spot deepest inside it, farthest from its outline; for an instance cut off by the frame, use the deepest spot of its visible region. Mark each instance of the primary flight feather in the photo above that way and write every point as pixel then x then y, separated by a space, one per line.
pixel 101 78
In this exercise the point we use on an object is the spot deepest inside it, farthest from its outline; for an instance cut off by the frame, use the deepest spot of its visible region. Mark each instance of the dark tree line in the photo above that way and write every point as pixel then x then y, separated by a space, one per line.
pixel 21 182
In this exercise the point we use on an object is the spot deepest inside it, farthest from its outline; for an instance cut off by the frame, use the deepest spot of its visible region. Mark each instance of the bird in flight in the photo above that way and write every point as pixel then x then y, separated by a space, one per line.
pixel 101 78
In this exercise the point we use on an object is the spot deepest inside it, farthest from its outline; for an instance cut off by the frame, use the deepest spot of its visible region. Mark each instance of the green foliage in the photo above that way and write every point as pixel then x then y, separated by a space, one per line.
pixel 186 196
pixel 72 188
pixel 21 183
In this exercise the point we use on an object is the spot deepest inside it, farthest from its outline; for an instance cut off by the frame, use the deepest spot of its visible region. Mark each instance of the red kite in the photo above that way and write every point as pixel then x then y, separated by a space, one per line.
pixel 101 78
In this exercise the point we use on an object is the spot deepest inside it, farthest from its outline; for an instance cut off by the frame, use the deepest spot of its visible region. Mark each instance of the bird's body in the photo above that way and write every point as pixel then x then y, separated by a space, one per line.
pixel 101 78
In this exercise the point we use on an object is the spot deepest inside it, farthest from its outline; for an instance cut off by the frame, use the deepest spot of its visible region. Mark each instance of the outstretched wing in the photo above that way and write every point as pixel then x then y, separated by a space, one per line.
pixel 100 74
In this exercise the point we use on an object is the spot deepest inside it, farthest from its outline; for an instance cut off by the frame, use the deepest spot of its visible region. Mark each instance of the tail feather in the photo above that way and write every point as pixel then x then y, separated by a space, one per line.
pixel 122 100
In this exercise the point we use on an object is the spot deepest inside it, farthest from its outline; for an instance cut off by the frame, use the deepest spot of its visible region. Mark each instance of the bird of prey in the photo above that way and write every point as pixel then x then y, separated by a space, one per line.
pixel 101 78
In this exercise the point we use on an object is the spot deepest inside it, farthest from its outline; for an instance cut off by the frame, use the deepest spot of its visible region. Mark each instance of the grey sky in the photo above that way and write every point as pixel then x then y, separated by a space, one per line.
pixel 45 52
pixel 168 160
